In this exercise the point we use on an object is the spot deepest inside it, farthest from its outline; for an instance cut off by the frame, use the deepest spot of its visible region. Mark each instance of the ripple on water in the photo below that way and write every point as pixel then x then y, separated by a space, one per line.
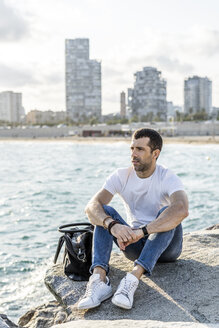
pixel 44 187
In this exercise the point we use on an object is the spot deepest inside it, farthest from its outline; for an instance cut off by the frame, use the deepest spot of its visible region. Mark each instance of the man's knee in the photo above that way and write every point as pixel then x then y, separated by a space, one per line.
pixel 174 250
pixel 108 209
pixel 132 254
pixel 170 255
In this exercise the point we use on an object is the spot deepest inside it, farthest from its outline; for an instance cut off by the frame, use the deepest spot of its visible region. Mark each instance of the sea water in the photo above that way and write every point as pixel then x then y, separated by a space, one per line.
pixel 46 184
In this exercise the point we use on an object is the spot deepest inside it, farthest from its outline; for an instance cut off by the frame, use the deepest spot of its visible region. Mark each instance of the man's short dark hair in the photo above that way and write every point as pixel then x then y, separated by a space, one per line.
pixel 156 141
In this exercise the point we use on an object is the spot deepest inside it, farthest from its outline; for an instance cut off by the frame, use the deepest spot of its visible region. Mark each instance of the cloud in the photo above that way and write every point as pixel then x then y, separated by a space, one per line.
pixel 174 65
pixel 29 75
pixel 206 42
pixel 13 77
pixel 112 97
pixel 53 78
pixel 161 62
pixel 13 26
pixel 178 53
pixel 112 74
pixel 40 90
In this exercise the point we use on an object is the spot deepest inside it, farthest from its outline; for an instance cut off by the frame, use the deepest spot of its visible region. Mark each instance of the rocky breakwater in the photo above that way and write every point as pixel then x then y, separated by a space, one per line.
pixel 180 294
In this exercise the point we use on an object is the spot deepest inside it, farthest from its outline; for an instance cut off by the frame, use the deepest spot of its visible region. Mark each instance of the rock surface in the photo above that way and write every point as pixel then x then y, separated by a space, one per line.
pixel 132 323
pixel 6 323
pixel 180 294
pixel 214 227
pixel 186 290
pixel 43 316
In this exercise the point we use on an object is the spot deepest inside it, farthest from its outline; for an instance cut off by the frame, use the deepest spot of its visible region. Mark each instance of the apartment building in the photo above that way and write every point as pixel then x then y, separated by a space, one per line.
pixel 148 97
pixel 45 117
pixel 197 95
pixel 11 109
pixel 83 81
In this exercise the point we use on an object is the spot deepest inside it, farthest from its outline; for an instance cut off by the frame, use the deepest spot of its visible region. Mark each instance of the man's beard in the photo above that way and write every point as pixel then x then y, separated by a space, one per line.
pixel 141 167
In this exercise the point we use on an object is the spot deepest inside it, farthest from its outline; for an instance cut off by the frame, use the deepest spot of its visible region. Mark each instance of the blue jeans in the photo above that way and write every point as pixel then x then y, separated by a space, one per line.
pixel 158 247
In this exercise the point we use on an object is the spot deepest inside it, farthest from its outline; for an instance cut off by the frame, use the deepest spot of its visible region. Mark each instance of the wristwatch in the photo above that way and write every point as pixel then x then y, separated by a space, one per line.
pixel 145 230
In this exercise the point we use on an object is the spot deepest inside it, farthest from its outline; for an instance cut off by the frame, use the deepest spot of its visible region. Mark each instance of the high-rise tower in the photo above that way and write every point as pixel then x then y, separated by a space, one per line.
pixel 11 108
pixel 148 97
pixel 83 81
pixel 197 95
pixel 122 104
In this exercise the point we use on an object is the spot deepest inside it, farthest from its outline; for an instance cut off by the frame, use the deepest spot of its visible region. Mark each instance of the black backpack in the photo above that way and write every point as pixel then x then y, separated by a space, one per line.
pixel 78 250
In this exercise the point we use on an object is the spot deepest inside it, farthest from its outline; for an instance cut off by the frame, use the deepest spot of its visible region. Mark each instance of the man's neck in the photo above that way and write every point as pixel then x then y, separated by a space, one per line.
pixel 146 174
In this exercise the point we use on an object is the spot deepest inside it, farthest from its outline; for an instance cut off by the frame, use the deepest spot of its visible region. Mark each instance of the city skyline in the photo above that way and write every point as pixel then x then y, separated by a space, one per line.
pixel 179 39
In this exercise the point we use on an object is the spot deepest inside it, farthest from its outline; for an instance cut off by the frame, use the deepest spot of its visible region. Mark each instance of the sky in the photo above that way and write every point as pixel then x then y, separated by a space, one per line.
pixel 178 37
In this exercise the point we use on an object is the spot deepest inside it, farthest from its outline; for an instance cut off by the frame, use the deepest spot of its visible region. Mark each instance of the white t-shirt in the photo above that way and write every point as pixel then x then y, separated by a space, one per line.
pixel 143 198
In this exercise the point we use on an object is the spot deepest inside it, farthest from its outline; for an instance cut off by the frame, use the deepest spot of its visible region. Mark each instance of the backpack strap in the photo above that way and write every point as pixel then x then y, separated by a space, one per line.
pixel 59 247
pixel 68 242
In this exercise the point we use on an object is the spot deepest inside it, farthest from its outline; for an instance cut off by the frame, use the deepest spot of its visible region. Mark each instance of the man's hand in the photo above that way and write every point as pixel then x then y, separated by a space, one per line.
pixel 126 235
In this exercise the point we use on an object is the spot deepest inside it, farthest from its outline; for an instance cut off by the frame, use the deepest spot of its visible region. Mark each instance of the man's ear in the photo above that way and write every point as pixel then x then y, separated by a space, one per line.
pixel 156 153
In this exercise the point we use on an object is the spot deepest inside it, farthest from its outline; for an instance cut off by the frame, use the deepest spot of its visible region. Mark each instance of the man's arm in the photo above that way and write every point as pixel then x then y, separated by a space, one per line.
pixel 94 208
pixel 168 219
pixel 173 215
pixel 96 215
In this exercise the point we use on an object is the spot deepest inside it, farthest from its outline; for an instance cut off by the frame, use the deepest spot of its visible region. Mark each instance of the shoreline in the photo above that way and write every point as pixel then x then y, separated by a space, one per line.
pixel 167 140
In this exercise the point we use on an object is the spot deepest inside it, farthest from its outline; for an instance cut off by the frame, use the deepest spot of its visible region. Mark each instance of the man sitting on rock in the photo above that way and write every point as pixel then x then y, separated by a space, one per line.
pixel 155 203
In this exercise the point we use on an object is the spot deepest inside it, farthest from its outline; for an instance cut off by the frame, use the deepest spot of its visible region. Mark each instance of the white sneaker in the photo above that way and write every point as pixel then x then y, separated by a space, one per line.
pixel 97 291
pixel 124 295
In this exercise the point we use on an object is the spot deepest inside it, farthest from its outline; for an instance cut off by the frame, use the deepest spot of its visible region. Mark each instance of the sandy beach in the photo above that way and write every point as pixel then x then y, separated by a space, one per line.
pixel 167 140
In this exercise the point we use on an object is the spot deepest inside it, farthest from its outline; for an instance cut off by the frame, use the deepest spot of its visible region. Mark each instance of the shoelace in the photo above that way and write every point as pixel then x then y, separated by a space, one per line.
pixel 91 287
pixel 126 288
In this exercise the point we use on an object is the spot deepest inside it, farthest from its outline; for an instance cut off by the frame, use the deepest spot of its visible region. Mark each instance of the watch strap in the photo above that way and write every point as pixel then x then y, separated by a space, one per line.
pixel 104 221
pixel 145 230
pixel 111 225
